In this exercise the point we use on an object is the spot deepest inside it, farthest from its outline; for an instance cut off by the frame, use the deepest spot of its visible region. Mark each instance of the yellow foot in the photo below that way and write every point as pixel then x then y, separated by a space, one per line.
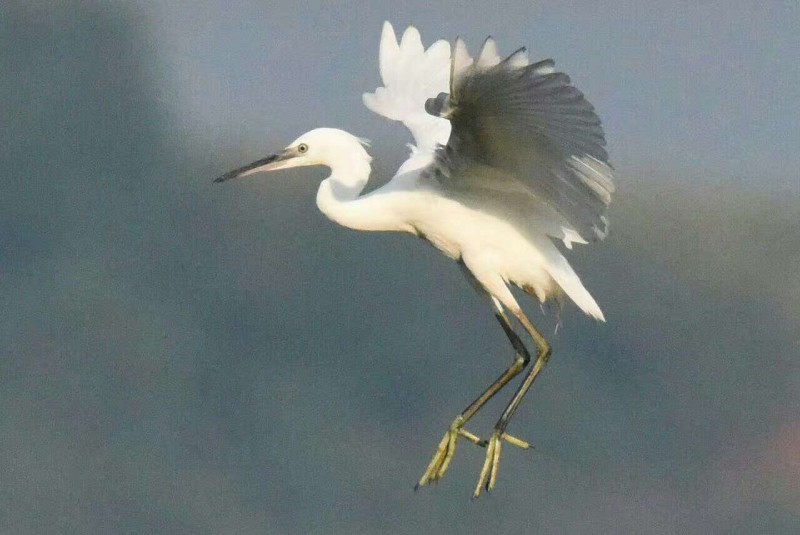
pixel 488 476
pixel 445 451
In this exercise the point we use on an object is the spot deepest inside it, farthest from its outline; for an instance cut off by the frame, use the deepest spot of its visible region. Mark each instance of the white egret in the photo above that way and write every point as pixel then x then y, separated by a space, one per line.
pixel 508 158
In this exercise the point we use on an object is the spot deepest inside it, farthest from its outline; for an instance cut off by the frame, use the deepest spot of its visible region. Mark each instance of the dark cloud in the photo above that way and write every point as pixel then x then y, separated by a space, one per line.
pixel 182 357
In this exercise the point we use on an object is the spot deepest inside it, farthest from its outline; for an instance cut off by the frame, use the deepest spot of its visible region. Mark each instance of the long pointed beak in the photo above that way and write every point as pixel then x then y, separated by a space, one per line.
pixel 270 163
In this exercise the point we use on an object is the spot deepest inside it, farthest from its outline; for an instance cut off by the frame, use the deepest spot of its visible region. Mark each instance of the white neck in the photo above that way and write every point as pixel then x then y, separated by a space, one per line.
pixel 338 195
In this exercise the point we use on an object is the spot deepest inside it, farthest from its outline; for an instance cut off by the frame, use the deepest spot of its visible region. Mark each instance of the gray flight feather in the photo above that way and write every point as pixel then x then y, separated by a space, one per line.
pixel 525 123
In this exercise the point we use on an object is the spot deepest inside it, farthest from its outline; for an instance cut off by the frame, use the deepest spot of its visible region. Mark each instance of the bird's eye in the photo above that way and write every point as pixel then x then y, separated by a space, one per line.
pixel 302 147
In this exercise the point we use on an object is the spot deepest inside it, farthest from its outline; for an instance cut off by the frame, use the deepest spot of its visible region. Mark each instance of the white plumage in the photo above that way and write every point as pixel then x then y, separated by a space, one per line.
pixel 508 156
pixel 515 251
pixel 410 76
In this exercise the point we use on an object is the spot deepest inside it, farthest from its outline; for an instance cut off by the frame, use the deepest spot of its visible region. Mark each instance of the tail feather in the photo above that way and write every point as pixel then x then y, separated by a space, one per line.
pixel 558 267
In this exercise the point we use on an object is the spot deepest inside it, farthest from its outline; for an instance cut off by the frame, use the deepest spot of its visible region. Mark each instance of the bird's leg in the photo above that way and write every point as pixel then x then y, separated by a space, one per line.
pixel 447 447
pixel 488 476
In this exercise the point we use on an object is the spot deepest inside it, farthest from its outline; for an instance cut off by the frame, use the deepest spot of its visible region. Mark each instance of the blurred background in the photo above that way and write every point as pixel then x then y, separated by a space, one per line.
pixel 182 357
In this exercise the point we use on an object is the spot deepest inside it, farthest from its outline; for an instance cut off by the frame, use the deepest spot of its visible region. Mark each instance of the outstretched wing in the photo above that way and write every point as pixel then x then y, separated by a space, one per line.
pixel 525 121
pixel 410 76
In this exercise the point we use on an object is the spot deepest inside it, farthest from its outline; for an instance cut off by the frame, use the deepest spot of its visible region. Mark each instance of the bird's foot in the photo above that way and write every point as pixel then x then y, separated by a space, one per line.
pixel 488 476
pixel 445 451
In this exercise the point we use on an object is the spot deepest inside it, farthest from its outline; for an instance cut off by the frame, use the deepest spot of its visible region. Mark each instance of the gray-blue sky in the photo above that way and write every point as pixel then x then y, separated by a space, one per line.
pixel 182 357
pixel 713 85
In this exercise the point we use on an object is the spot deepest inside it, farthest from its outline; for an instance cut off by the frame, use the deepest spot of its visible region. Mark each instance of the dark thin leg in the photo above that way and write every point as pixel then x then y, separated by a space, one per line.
pixel 521 360
pixel 542 357
pixel 488 475
pixel 446 449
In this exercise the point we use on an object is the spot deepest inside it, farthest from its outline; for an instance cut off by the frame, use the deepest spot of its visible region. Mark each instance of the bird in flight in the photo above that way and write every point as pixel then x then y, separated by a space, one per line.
pixel 508 158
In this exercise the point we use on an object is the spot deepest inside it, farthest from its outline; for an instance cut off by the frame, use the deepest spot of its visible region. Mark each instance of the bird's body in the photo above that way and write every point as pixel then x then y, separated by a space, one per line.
pixel 505 164
pixel 501 236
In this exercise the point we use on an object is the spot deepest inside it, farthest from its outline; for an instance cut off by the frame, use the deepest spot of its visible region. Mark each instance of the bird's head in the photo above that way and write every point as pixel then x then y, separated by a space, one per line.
pixel 321 146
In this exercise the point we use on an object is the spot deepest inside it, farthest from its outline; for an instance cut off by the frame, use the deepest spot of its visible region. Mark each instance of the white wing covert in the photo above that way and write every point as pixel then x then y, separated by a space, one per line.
pixel 411 75
pixel 528 123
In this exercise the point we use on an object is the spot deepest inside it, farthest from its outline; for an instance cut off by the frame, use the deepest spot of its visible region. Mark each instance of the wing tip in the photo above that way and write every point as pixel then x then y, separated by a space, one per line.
pixel 518 58
pixel 488 56
pixel 460 62
pixel 411 38
pixel 387 31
